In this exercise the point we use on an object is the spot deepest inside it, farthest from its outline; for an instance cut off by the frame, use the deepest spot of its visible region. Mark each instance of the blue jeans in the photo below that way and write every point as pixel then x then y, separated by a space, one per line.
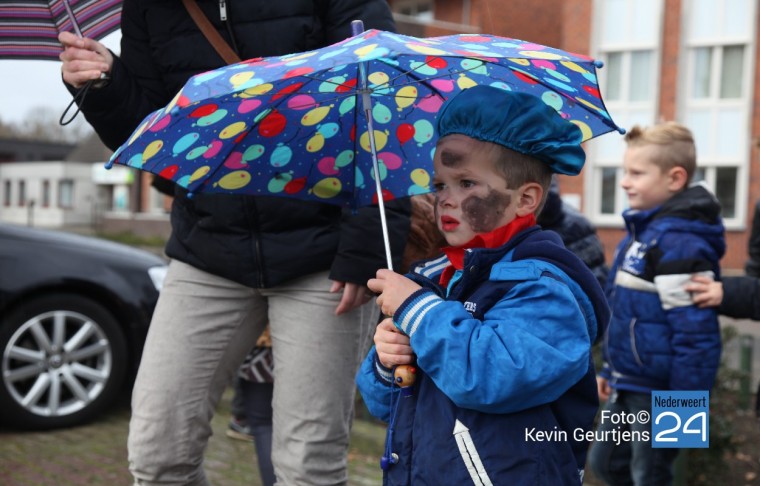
pixel 630 462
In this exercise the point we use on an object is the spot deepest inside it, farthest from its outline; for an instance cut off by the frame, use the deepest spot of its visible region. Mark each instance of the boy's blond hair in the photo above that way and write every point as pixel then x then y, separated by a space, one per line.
pixel 675 146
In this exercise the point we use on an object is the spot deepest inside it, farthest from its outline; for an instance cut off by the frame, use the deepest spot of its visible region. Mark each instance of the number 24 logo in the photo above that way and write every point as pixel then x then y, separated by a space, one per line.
pixel 661 436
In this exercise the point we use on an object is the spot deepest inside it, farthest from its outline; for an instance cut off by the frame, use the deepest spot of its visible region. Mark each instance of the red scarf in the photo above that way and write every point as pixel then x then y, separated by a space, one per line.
pixel 493 239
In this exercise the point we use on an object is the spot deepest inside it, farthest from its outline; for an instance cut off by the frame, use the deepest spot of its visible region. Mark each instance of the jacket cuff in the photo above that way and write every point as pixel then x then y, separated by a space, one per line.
pixel 383 374
pixel 410 314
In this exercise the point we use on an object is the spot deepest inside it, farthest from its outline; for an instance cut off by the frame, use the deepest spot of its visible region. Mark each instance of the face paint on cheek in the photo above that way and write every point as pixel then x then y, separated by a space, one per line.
pixel 484 214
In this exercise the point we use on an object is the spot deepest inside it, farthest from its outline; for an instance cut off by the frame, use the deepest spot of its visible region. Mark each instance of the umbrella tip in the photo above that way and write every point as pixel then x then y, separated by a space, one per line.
pixel 621 130
pixel 598 64
pixel 109 164
pixel 357 27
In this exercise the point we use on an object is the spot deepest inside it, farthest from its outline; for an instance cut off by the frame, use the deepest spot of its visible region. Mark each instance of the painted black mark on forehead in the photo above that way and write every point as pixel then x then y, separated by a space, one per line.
pixel 451 159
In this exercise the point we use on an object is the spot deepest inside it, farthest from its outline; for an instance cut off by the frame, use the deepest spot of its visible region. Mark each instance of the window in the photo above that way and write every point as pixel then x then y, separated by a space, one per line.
pixel 716 98
pixel 22 193
pixel 6 193
pixel 45 193
pixel 157 203
pixel 66 194
pixel 628 33
pixel 421 9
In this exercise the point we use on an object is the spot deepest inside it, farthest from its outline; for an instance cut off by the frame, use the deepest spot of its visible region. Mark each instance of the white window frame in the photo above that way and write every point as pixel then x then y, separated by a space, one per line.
pixel 622 111
pixel 156 201
pixel 61 192
pixel 413 9
pixel 708 159
pixel 7 193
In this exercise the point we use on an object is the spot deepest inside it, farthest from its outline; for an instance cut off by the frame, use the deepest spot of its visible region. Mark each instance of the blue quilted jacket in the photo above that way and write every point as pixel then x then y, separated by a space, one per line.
pixel 503 357
pixel 657 339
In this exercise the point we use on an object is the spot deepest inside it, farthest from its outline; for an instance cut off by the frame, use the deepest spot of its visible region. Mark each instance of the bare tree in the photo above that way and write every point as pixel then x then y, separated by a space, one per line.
pixel 42 123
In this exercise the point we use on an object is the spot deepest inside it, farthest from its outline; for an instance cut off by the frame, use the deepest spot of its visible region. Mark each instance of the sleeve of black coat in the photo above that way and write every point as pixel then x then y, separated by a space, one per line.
pixel 753 264
pixel 361 252
pixel 135 90
pixel 741 298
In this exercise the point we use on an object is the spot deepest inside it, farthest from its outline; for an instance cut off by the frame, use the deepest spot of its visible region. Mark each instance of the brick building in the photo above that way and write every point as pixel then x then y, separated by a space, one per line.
pixel 692 61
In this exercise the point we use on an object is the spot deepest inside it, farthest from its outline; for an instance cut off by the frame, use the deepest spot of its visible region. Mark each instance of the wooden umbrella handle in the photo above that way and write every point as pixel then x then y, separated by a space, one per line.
pixel 405 375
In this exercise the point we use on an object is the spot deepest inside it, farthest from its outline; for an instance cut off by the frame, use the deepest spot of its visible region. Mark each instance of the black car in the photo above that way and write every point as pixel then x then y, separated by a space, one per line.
pixel 74 313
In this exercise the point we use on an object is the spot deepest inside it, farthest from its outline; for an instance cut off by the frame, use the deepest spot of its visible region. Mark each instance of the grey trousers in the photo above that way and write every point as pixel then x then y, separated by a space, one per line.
pixel 202 328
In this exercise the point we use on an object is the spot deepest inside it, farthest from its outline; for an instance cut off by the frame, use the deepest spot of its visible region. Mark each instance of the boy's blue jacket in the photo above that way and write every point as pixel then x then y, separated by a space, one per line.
pixel 657 339
pixel 505 381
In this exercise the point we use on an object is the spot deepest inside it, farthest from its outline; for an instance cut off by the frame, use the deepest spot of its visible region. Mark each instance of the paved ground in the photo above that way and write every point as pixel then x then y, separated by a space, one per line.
pixel 96 454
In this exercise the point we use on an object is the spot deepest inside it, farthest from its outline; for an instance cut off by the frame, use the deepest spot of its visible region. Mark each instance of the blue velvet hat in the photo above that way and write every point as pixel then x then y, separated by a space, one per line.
pixel 518 121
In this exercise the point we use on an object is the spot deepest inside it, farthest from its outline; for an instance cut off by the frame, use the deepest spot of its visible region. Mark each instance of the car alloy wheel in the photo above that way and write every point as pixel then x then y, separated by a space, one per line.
pixel 63 358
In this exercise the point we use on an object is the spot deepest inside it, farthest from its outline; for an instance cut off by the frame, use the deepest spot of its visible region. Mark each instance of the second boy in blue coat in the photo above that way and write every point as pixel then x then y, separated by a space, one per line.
pixel 500 326
pixel 657 338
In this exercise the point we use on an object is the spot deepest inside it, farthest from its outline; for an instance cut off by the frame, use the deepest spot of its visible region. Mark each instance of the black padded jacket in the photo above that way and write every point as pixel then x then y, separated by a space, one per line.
pixel 256 241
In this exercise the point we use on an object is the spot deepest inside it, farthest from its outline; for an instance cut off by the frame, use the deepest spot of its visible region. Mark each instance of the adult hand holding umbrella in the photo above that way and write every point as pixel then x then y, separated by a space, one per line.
pixel 41 29
pixel 29 28
pixel 84 60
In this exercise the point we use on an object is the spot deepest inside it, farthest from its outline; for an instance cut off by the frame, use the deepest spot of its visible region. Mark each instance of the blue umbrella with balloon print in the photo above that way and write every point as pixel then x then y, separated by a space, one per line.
pixel 348 122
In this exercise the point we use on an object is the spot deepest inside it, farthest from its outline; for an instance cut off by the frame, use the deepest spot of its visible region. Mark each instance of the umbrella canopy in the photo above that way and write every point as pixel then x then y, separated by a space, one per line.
pixel 292 125
pixel 29 28
pixel 335 124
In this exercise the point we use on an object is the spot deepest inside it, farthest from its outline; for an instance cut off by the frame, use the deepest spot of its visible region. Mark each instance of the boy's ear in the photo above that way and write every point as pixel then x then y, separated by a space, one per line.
pixel 530 196
pixel 678 179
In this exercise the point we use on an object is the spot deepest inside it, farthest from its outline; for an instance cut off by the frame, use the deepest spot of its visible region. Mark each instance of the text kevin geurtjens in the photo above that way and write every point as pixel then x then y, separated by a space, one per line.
pixel 614 435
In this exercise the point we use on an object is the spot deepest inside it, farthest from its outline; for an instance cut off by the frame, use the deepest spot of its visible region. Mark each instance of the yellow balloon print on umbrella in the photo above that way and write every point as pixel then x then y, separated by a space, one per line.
pixel 256 90
pixel 541 55
pixel 232 130
pixel 463 82
pixel 235 180
pixel 327 188
pixel 585 129
pixel 152 149
pixel 315 115
pixel 199 173
pixel 365 50
pixel 315 143
pixel 381 138
pixel 573 67
pixel 406 96
pixel 239 78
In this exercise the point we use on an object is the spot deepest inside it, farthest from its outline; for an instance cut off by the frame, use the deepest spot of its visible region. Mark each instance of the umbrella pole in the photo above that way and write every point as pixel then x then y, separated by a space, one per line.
pixel 357 27
pixel 367 102
pixel 73 19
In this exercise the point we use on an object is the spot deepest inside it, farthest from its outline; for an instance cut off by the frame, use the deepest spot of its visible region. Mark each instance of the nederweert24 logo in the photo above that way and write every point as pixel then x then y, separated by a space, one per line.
pixel 680 419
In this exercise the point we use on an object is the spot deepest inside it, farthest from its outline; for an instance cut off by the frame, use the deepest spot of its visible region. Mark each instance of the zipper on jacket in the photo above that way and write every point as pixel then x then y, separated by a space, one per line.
pixel 228 25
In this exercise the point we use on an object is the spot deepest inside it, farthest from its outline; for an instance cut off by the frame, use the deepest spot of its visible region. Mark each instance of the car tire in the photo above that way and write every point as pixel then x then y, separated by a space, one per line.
pixel 64 360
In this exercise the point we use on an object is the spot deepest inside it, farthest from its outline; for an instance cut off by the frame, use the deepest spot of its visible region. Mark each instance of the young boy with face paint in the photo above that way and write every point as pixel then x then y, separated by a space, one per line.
pixel 499 328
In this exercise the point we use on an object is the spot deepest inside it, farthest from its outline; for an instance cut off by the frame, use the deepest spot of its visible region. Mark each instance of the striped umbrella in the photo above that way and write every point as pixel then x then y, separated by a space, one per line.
pixel 29 28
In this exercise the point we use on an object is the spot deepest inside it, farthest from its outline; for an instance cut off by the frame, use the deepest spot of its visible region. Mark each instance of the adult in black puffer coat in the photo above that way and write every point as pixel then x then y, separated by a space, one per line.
pixel 238 261
pixel 577 232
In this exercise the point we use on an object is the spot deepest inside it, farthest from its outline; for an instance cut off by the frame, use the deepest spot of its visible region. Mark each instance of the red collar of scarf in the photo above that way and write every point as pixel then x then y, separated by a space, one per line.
pixel 493 239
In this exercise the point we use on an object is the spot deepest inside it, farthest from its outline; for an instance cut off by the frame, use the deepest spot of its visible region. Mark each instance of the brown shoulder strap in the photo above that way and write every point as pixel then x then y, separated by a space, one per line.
pixel 216 40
